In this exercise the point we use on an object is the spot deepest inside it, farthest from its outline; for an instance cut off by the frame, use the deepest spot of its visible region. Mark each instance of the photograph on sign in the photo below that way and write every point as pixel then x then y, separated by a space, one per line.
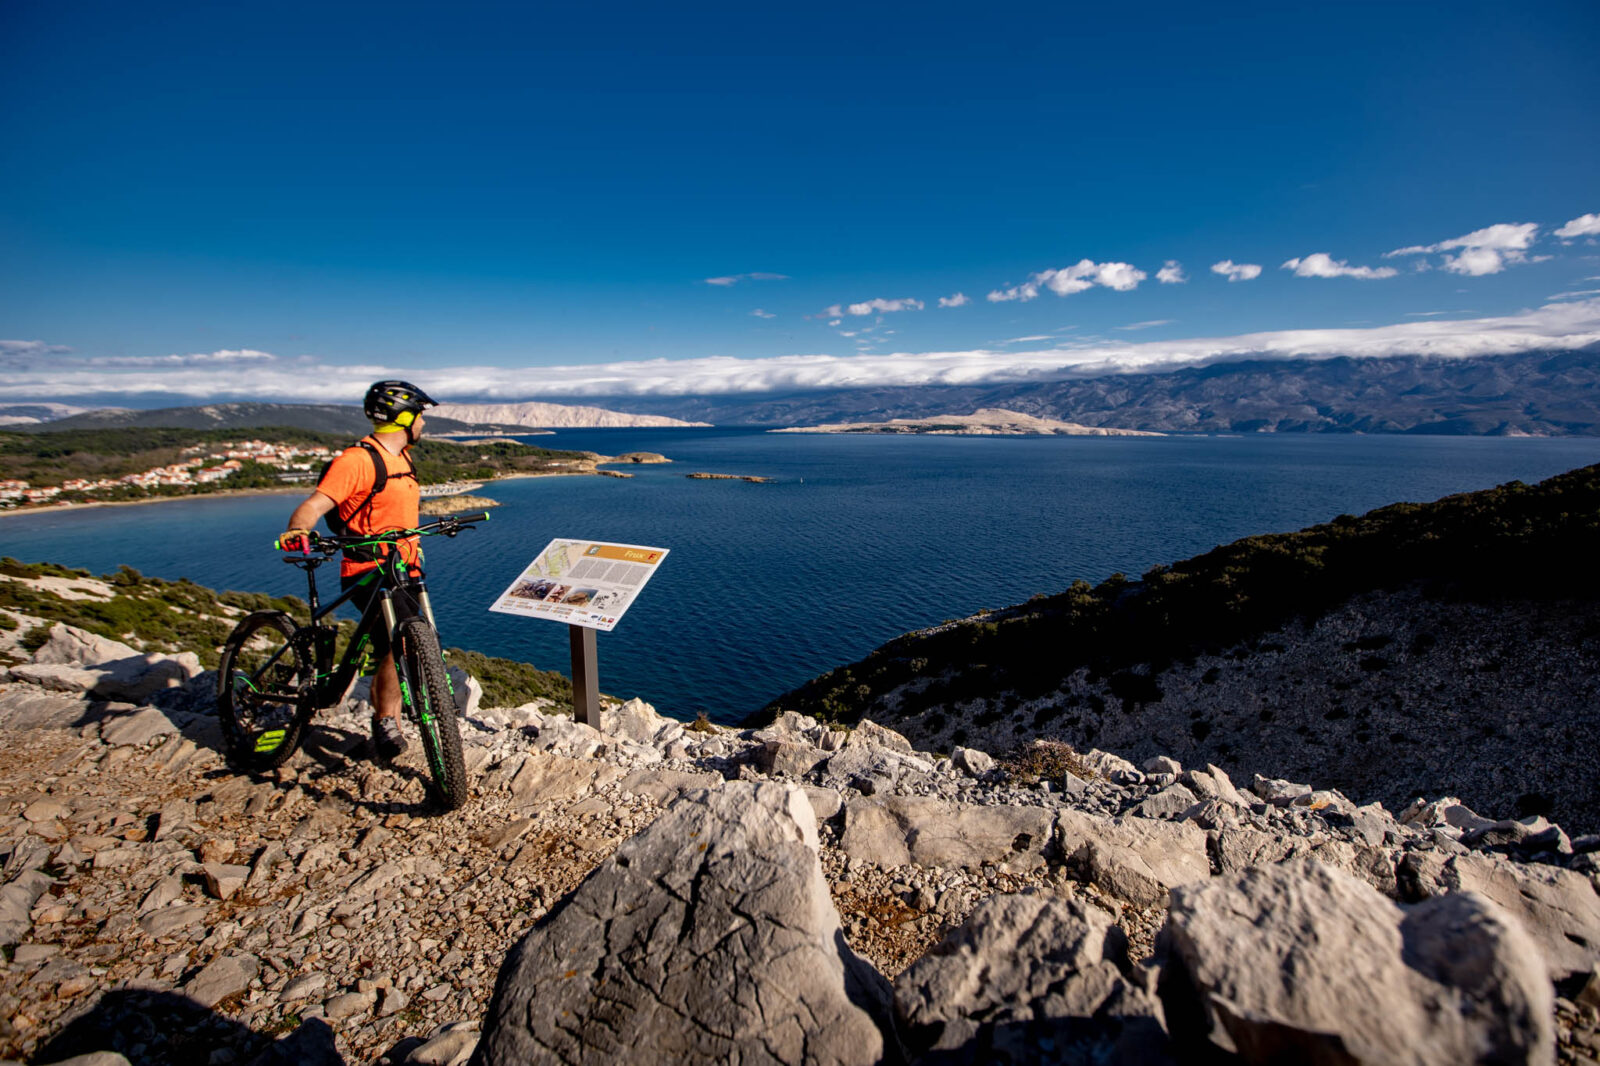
pixel 581 582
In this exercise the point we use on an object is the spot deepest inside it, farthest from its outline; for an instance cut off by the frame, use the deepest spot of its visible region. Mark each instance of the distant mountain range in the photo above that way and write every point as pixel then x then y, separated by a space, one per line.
pixel 550 415
pixel 1533 394
pixel 25 414
pixel 1537 393
pixel 330 418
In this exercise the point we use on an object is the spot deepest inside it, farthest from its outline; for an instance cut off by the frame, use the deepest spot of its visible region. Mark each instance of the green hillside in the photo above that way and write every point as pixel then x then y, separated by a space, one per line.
pixel 1516 540
pixel 44 459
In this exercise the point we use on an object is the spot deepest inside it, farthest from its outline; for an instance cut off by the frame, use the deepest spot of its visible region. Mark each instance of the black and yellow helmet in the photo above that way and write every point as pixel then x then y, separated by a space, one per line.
pixel 396 401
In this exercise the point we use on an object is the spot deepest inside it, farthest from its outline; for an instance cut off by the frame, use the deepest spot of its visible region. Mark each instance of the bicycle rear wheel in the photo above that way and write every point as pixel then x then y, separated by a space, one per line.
pixel 433 708
pixel 263 691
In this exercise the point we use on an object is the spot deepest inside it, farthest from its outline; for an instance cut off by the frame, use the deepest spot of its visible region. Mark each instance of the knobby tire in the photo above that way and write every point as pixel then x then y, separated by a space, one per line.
pixel 264 719
pixel 433 710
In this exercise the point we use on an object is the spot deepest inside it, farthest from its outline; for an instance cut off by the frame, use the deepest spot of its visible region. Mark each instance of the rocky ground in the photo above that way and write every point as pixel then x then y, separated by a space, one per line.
pixel 1390 696
pixel 160 905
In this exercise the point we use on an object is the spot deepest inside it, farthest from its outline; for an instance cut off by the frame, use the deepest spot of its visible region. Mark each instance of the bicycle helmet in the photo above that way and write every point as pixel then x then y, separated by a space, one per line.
pixel 387 401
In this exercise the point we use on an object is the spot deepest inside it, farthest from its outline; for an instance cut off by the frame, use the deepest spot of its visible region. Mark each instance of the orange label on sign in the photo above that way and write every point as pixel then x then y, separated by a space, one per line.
pixel 618 551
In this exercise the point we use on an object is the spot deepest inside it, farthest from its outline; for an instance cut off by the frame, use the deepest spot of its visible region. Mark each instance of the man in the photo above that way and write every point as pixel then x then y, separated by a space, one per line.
pixel 395 410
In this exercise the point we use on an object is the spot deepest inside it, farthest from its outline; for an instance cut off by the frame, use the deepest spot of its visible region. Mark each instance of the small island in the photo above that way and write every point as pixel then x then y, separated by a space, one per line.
pixel 984 422
pixel 752 478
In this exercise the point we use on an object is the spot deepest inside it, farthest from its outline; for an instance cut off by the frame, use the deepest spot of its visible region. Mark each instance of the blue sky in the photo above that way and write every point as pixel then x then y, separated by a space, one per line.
pixel 213 199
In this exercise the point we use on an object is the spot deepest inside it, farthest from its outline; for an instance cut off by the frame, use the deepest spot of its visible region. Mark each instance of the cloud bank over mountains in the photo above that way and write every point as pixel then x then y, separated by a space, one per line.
pixel 35 370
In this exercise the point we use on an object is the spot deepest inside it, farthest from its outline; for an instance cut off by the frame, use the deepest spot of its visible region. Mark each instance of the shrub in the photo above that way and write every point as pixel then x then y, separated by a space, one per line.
pixel 1044 760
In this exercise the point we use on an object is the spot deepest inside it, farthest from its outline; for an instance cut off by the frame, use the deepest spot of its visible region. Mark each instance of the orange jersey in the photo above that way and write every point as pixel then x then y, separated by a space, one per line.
pixel 348 483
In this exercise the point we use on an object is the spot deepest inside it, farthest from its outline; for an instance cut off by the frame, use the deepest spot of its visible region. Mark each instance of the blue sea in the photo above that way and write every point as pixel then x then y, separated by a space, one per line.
pixel 855 540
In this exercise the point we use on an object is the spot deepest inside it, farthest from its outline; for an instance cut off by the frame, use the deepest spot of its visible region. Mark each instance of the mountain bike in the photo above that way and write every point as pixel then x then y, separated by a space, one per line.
pixel 276 673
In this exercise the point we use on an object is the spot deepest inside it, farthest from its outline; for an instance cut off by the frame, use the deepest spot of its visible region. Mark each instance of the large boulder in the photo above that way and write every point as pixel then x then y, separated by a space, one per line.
pixel 1301 963
pixel 75 660
pixel 1558 908
pixel 637 721
pixel 1135 859
pixel 27 708
pixel 929 832
pixel 709 937
pixel 1026 978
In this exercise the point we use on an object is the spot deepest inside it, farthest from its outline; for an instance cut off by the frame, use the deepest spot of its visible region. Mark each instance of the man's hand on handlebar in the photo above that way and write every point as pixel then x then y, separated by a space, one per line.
pixel 296 540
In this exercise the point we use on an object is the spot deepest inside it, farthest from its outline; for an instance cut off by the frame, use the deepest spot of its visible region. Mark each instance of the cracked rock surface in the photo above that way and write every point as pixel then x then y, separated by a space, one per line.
pixel 709 937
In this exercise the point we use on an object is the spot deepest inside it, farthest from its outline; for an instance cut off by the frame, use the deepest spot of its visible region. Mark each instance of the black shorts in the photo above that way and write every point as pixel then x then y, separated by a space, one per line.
pixel 405 606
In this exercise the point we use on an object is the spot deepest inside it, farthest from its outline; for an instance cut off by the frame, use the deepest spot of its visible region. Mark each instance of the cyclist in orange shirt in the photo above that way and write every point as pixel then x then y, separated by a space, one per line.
pixel 395 409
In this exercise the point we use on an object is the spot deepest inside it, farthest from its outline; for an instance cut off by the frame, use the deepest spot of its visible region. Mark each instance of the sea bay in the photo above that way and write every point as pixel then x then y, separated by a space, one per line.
pixel 854 540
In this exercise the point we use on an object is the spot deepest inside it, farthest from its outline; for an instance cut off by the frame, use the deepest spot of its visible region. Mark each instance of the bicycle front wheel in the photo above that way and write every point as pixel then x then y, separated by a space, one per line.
pixel 433 708
pixel 263 691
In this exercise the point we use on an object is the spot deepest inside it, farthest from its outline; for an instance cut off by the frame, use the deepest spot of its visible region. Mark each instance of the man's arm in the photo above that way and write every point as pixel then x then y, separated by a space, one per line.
pixel 312 508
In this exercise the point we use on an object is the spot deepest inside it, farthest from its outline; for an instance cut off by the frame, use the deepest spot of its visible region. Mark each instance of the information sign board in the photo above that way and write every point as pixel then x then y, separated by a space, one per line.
pixel 581 582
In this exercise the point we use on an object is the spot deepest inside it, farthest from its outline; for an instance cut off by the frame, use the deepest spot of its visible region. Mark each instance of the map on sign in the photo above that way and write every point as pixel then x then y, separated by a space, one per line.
pixel 581 582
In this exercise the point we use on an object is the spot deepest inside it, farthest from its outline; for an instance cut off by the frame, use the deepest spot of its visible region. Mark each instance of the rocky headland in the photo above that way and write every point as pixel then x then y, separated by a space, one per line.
pixel 661 891
pixel 1448 647
pixel 984 422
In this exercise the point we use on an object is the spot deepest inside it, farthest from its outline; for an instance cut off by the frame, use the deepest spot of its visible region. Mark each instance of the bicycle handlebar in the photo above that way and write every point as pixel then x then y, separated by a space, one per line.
pixel 447 526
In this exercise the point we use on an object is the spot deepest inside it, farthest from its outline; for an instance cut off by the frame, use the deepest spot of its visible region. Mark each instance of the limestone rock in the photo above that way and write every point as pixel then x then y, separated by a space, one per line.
pixel 547 779
pixel 637 721
pixel 223 879
pixel 463 682
pixel 1136 859
pixel 931 832
pixel 1168 803
pixel 137 729
pixel 453 1047
pixel 790 758
pixel 1023 979
pixel 665 786
pixel 16 905
pixel 1277 791
pixel 224 976
pixel 1301 963
pixel 79 647
pixel 709 937
pixel 23 708
pixel 1558 908
pixel 971 761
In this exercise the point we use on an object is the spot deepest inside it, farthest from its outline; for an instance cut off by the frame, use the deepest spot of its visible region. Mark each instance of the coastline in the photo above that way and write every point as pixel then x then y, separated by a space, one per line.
pixel 93 504
pixel 53 508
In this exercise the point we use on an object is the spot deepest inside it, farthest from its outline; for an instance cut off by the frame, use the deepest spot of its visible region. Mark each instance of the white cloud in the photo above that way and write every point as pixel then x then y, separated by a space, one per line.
pixel 1147 325
pixel 1237 271
pixel 759 313
pixel 1084 274
pixel 1323 265
pixel 1171 273
pixel 222 357
pixel 27 351
pixel 879 306
pixel 1484 251
pixel 734 279
pixel 958 300
pixel 1582 226
pixel 1578 295
pixel 1555 326
pixel 1023 292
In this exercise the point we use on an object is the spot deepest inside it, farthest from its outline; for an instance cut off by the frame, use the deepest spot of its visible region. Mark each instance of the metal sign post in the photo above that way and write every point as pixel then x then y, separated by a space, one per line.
pixel 585 676
pixel 588 585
